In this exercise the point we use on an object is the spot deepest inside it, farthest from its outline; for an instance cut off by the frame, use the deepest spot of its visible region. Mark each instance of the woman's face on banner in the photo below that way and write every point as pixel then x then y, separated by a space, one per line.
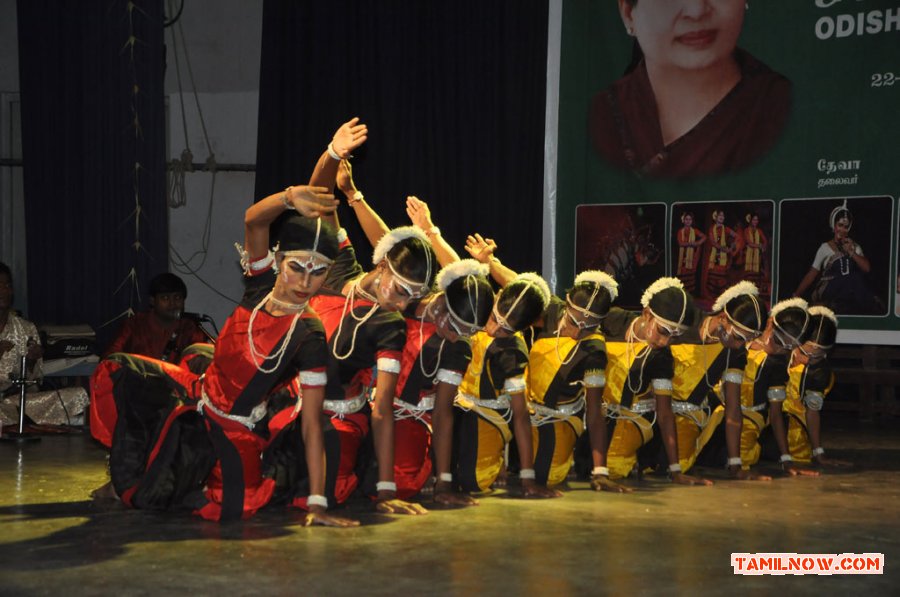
pixel 684 34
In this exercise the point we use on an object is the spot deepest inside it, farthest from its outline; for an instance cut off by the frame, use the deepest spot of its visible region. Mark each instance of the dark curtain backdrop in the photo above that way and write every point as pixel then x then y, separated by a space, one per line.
pixel 92 110
pixel 453 94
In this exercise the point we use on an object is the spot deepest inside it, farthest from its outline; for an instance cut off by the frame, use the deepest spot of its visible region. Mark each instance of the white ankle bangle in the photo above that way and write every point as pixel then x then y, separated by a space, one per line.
pixel 600 470
pixel 675 468
pixel 317 500
pixel 786 458
pixel 735 461
pixel 526 473
pixel 386 486
pixel 820 451
pixel 446 477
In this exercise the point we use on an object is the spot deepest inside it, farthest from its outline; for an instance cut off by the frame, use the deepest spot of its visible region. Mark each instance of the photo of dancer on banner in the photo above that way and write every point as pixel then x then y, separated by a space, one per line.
pixel 627 242
pixel 715 245
pixel 834 252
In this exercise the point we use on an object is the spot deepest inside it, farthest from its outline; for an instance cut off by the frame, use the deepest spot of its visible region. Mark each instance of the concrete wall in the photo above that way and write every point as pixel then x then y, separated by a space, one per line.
pixel 222 39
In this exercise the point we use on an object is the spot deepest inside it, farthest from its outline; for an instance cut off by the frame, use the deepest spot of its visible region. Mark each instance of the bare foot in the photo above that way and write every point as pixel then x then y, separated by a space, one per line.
pixel 501 481
pixel 105 492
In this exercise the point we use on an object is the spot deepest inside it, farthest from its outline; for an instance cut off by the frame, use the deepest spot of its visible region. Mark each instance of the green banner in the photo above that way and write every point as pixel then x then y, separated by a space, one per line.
pixel 720 140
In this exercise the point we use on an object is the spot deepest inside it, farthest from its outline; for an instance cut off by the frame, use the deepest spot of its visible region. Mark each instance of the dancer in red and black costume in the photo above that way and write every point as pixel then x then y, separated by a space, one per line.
pixel 361 312
pixel 226 442
pixel 218 443
pixel 366 337
pixel 436 354
pixel 435 357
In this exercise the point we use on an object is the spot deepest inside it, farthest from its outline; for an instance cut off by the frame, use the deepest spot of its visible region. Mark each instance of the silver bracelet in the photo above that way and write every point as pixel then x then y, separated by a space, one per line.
pixel 527 473
pixel 286 199
pixel 331 152
pixel 735 461
pixel 603 471
pixel 356 198
pixel 786 458
pixel 675 468
pixel 820 451
pixel 446 477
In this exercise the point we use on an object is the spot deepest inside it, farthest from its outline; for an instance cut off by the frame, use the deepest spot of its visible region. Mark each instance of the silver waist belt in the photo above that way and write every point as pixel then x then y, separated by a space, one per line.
pixel 561 410
pixel 640 407
pixel 250 421
pixel 755 408
pixel 682 407
pixel 345 407
pixel 426 403
pixel 500 403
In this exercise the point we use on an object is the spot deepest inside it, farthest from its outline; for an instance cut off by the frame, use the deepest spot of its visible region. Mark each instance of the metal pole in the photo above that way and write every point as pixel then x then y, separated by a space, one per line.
pixel 22 387
pixel 23 382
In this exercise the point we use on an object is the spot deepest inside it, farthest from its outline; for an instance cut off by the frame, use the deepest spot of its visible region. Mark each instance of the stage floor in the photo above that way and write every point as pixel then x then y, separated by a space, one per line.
pixel 659 539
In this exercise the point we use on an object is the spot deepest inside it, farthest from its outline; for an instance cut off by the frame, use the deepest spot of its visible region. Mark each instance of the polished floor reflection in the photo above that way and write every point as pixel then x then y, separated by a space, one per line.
pixel 660 539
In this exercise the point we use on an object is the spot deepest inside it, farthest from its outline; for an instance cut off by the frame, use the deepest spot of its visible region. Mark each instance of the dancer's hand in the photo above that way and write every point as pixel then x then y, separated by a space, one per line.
pixel 480 248
pixel 347 138
pixel 345 179
pixel 318 516
pixel 34 351
pixel 419 213
pixel 312 202
pixel 530 489
pixel 738 473
pixel 446 495
pixel 392 505
pixel 792 469
pixel 602 483
pixel 683 479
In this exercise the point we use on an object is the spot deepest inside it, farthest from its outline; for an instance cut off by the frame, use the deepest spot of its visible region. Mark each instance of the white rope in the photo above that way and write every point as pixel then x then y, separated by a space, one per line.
pixel 574 350
pixel 259 357
pixel 630 357
pixel 360 321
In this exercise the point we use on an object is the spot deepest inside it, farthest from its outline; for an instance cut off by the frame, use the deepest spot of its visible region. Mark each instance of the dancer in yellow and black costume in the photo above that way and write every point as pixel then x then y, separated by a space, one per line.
pixel 566 376
pixel 638 393
pixel 492 392
pixel 810 381
pixel 709 363
pixel 765 382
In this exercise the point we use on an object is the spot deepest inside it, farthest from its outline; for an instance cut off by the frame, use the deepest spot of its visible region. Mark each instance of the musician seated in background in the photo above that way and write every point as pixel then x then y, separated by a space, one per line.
pixel 161 332
pixel 17 337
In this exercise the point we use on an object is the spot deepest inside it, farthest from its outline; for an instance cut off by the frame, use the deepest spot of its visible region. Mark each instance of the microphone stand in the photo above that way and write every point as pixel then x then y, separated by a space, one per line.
pixel 199 319
pixel 210 337
pixel 20 437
